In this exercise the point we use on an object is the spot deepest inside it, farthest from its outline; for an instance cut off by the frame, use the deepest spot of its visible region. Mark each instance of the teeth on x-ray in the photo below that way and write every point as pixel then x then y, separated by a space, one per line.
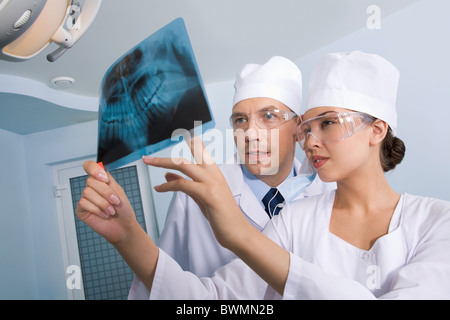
pixel 148 93
pixel 144 98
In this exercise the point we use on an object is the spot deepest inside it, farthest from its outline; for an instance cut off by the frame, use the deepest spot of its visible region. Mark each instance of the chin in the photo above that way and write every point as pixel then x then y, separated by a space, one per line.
pixel 326 177
pixel 260 169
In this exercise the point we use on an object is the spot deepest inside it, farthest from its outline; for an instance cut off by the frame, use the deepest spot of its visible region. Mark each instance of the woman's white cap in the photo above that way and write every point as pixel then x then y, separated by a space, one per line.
pixel 279 78
pixel 358 81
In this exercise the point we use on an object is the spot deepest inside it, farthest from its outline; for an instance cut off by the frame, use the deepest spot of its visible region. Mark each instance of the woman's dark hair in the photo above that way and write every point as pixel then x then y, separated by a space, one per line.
pixel 392 151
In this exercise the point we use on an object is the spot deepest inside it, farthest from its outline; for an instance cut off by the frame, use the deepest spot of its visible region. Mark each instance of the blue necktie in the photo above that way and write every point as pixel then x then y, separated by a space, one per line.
pixel 271 202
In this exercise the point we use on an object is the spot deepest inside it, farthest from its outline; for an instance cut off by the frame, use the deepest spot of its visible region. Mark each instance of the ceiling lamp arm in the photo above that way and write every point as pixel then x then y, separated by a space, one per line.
pixel 79 19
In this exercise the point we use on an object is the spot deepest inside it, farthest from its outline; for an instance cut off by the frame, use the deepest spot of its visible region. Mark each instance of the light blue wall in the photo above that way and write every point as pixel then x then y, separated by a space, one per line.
pixel 31 265
pixel 42 150
pixel 17 265
pixel 415 41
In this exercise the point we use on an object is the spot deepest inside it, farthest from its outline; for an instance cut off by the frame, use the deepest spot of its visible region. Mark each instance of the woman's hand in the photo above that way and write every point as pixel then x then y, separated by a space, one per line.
pixel 208 188
pixel 105 208
pixel 210 191
pixel 104 205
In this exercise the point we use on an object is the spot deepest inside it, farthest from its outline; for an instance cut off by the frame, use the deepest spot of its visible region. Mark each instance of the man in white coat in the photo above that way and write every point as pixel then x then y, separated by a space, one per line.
pixel 267 100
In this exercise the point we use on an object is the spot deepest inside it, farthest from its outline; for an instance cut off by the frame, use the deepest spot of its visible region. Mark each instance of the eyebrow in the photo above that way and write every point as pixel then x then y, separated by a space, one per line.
pixel 238 114
pixel 266 108
pixel 319 115
pixel 269 107
pixel 324 113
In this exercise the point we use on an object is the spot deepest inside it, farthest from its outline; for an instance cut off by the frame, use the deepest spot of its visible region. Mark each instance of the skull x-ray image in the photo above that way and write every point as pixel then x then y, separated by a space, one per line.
pixel 147 94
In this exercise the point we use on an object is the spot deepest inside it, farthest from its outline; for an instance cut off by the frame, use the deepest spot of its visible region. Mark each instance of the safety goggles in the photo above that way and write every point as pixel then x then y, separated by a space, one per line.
pixel 264 119
pixel 332 127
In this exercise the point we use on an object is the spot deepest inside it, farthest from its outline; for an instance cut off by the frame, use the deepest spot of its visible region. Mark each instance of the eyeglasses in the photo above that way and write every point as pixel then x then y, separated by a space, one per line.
pixel 264 119
pixel 332 127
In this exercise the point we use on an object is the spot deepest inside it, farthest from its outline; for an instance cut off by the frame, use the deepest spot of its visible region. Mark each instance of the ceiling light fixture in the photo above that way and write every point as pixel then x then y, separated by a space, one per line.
pixel 28 26
pixel 62 82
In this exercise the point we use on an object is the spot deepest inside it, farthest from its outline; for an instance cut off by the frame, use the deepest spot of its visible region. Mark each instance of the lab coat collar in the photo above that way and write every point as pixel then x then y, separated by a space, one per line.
pixel 234 176
pixel 244 196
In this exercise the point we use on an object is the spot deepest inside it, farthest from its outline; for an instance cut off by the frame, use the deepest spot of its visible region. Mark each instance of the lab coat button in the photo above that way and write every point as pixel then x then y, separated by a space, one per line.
pixel 365 256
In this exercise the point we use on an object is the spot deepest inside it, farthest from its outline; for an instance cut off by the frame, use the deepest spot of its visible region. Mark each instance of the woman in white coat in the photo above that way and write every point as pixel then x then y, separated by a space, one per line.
pixel 187 236
pixel 362 240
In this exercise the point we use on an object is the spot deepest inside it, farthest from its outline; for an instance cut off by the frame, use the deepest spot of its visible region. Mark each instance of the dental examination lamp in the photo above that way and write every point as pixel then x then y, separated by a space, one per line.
pixel 28 26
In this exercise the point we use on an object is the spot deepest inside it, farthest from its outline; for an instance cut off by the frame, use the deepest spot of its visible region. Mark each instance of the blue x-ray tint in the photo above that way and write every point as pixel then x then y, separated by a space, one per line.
pixel 147 94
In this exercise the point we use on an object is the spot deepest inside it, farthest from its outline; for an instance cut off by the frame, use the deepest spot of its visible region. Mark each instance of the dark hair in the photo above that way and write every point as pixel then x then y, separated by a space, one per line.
pixel 392 151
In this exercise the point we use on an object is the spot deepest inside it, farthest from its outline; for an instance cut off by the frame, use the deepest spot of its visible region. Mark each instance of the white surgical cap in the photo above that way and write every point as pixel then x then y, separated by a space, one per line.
pixel 279 79
pixel 358 81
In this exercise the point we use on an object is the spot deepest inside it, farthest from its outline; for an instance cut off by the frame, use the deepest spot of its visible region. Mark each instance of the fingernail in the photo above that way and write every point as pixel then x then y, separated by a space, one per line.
pixel 104 215
pixel 111 211
pixel 114 199
pixel 147 157
pixel 102 177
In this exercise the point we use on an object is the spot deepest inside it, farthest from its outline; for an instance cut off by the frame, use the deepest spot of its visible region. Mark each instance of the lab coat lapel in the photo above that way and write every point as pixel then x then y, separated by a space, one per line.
pixel 244 196
pixel 252 207
pixel 297 166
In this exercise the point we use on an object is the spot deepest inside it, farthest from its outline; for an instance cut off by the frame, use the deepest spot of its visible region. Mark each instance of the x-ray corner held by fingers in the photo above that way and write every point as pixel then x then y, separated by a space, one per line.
pixel 148 94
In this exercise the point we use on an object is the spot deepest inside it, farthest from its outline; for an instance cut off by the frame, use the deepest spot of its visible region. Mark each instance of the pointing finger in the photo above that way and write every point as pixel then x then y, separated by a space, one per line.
pixel 183 165
pixel 191 188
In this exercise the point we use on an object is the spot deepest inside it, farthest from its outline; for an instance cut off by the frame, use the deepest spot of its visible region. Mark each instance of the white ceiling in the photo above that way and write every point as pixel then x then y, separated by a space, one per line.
pixel 224 36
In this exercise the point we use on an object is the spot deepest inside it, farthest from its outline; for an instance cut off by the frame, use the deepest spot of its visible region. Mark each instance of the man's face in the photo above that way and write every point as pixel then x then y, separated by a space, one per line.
pixel 264 151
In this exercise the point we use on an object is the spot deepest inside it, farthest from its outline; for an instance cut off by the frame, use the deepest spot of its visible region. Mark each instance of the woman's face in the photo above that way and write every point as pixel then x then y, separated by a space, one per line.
pixel 336 160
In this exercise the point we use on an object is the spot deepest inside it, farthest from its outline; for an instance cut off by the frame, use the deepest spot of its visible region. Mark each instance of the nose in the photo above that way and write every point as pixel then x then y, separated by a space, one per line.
pixel 311 141
pixel 251 134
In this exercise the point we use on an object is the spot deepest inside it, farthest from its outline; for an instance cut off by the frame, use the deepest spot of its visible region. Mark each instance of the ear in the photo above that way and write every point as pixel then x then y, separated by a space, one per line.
pixel 379 131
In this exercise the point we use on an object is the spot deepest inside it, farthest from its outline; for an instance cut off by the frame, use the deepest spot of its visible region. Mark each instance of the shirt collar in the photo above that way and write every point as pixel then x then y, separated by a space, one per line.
pixel 258 187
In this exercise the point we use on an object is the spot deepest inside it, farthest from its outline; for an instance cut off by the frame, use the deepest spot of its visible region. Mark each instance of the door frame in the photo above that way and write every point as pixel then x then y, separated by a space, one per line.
pixel 62 173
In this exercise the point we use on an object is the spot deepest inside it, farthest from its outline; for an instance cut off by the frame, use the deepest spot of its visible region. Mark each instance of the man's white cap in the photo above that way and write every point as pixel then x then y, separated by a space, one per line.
pixel 279 79
pixel 358 81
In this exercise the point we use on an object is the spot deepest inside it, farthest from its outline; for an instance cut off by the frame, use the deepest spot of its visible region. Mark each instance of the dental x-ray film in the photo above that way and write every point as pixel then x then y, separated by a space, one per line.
pixel 151 91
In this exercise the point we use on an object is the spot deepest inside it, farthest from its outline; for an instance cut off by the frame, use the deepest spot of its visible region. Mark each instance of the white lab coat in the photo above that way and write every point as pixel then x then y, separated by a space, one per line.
pixel 187 235
pixel 412 261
